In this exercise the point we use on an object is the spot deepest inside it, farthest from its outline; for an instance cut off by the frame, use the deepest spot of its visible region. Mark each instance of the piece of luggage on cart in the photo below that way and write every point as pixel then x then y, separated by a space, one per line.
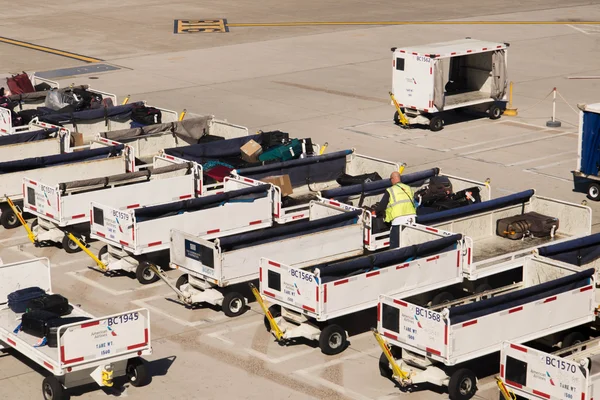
pixel 459 199
pixel 347 180
pixel 54 303
pixel 19 84
pixel 527 224
pixel 273 138
pixel 146 115
pixel 19 299
pixel 285 152
pixel 439 188
pixel 45 324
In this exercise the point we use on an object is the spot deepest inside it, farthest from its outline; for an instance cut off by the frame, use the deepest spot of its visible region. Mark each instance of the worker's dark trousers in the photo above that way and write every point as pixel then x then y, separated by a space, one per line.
pixel 395 237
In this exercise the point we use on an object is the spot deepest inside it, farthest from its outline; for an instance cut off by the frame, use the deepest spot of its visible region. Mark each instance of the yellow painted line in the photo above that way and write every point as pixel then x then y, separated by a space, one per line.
pixel 313 23
pixel 49 50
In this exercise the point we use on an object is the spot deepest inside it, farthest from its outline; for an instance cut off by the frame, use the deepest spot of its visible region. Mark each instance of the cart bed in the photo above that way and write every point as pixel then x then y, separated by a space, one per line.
pixel 494 246
pixel 466 97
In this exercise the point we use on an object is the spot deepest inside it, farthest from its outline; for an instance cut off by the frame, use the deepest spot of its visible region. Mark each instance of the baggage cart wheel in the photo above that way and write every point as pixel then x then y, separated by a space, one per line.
pixel 484 287
pixel 275 311
pixel 332 340
pixel 593 192
pixel 103 254
pixel 462 385
pixel 441 298
pixel 136 371
pixel 144 274
pixel 233 304
pixel 572 339
pixel 384 365
pixel 34 226
pixel 436 124
pixel 52 389
pixel 70 246
pixel 182 280
pixel 8 219
pixel 495 112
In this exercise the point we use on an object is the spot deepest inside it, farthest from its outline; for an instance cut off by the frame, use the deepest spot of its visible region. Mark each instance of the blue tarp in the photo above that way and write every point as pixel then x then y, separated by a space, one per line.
pixel 27 136
pixel 378 187
pixel 59 159
pixel 165 210
pixel 116 112
pixel 333 271
pixel 220 149
pixel 447 215
pixel 303 171
pixel 514 299
pixel 286 231
pixel 590 146
pixel 578 252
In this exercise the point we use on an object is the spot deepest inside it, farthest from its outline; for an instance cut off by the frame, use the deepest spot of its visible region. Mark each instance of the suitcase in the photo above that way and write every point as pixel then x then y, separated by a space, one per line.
pixel 53 325
pixel 289 151
pixel 35 322
pixel 54 303
pixel 274 138
pixel 439 188
pixel 17 301
pixel 527 224
pixel 459 199
pixel 219 172
pixel 347 180
pixel 28 115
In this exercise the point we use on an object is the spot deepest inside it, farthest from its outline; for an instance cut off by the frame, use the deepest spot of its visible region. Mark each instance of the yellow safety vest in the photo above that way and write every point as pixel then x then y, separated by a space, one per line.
pixel 401 202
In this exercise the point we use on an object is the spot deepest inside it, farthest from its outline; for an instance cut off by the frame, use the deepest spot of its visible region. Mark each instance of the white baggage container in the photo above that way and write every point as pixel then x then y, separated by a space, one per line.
pixel 432 78
pixel 304 301
pixel 569 373
pixel 143 234
pixel 213 269
pixel 64 208
pixel 438 342
pixel 57 140
pixel 102 158
pixel 85 350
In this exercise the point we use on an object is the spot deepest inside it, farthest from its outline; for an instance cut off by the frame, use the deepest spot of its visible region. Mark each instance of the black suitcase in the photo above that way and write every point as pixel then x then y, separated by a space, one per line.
pixel 35 322
pixel 527 224
pixel 274 138
pixel 438 189
pixel 28 115
pixel 459 199
pixel 54 303
pixel 17 300
pixel 347 180
pixel 53 325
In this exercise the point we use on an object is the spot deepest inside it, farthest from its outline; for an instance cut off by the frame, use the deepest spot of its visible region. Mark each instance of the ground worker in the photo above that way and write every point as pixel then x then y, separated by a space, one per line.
pixel 399 206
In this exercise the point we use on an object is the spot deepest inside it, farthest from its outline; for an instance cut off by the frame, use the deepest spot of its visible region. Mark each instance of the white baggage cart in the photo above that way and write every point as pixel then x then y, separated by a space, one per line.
pixel 143 234
pixel 214 269
pixel 305 300
pixel 441 345
pixel 64 207
pixel 569 373
pixel 37 143
pixel 103 157
pixel 433 78
pixel 95 350
pixel 368 194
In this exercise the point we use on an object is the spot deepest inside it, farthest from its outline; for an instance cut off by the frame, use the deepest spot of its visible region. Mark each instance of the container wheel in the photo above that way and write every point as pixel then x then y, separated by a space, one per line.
pixel 384 365
pixel 332 340
pixel 8 219
pixel 441 298
pixel 144 273
pixel 182 280
pixel 495 112
pixel 103 254
pixel 70 246
pixel 462 385
pixel 137 373
pixel 52 389
pixel 275 311
pixel 234 304
pixel 572 339
pixel 436 124
pixel 593 192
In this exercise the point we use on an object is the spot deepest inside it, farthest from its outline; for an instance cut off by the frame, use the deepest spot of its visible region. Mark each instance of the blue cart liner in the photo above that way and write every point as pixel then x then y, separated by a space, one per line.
pixel 27 136
pixel 60 159
pixel 578 252
pixel 220 149
pixel 121 113
pixel 246 195
pixel 342 269
pixel 507 301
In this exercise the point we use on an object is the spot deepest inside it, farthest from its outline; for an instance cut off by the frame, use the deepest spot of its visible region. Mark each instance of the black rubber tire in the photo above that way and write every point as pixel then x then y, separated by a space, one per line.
pixel 234 304
pixel 182 280
pixel 441 298
pixel 495 112
pixel 52 389
pixel 384 366
pixel 275 311
pixel 69 246
pixel 137 372
pixel 436 124
pixel 8 219
pixel 571 339
pixel 144 274
pixel 593 192
pixel 396 118
pixel 462 385
pixel 484 287
pixel 102 252
pixel 332 340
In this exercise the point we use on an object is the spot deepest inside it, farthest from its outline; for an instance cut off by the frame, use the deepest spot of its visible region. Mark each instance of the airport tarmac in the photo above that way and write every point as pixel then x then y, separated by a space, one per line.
pixel 329 83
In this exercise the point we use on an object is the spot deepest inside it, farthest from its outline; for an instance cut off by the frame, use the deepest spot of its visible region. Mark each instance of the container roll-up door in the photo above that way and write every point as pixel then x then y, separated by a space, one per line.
pixel 438 84
pixel 499 81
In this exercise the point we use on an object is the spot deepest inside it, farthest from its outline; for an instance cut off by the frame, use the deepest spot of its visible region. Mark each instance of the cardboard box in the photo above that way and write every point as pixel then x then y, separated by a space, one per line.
pixel 251 151
pixel 282 182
